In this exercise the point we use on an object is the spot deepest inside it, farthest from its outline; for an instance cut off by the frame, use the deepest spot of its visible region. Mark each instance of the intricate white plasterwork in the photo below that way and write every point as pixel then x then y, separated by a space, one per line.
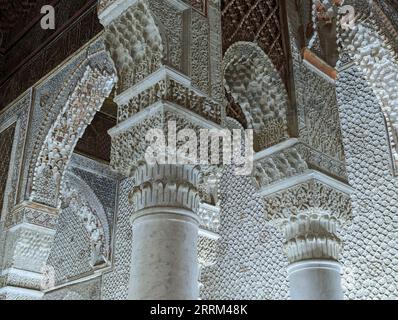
pixel 369 258
pixel 25 253
pixel 115 283
pixel 170 90
pixel 209 216
pixel 256 86
pixel 250 263
pixel 79 197
pixel 308 214
pixel 171 21
pixel 312 194
pixel 370 50
pixel 311 234
pixel 129 143
pixel 108 10
pixel 165 186
pixel 34 214
pixel 135 45
pixel 94 86
pixel 279 166
pixel 207 256
pixel 292 158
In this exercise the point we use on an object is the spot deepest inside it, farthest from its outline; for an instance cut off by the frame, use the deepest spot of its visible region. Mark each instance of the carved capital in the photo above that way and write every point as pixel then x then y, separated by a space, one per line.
pixel 309 212
pixel 312 234
pixel 165 186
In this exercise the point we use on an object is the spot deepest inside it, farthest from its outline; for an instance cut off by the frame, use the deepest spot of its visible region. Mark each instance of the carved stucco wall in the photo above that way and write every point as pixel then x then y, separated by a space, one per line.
pixel 370 244
pixel 6 142
pixel 115 283
pixel 71 253
pixel 250 261
pixel 318 117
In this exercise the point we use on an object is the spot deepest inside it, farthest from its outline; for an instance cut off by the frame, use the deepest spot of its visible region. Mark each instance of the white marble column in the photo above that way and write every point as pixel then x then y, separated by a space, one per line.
pixel 312 248
pixel 164 255
pixel 165 233
pixel 315 280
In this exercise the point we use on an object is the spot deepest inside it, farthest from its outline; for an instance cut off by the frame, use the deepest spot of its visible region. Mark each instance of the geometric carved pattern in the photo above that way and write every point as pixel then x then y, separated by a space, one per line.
pixel 371 244
pixel 6 141
pixel 367 47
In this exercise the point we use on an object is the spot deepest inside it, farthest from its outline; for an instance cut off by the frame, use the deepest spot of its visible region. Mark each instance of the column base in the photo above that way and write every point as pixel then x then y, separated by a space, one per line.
pixel 315 280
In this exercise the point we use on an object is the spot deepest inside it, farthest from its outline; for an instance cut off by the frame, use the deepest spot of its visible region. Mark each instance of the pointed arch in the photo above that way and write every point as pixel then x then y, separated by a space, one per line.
pixel 87 97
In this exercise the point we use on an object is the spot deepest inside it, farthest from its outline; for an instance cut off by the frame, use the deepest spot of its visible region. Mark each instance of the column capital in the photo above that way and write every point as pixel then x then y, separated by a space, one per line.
pixel 312 234
pixel 305 204
pixel 165 185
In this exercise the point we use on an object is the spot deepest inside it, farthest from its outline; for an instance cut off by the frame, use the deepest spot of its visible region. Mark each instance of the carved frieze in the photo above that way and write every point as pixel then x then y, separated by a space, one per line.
pixel 312 194
pixel 173 91
pixel 34 214
pixel 281 165
pixel 294 160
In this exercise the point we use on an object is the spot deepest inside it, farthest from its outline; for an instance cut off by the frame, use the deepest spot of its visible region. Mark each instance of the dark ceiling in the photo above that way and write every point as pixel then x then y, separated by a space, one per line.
pixel 27 52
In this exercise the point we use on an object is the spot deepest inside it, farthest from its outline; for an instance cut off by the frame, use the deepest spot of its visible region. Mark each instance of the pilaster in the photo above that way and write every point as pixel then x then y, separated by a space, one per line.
pixel 29 236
